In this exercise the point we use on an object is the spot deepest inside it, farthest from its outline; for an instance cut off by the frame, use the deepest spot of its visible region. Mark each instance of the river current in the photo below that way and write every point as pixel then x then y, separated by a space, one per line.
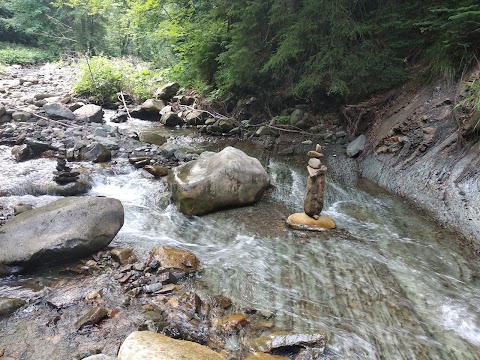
pixel 388 284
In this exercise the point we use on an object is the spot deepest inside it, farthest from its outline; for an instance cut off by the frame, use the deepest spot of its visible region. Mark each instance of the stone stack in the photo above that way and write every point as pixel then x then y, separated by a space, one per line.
pixel 64 174
pixel 311 219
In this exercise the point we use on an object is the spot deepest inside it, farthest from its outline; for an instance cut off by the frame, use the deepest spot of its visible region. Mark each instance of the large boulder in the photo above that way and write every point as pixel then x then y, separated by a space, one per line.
pixel 95 152
pixel 152 106
pixel 56 110
pixel 91 113
pixel 217 180
pixel 60 231
pixel 148 345
pixel 170 119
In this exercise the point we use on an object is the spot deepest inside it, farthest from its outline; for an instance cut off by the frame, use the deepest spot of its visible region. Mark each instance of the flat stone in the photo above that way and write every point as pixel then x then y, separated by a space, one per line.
pixel 93 317
pixel 356 146
pixel 315 154
pixel 148 345
pixel 284 340
pixel 302 221
pixel 123 256
pixel 156 170
pixel 314 163
pixel 56 110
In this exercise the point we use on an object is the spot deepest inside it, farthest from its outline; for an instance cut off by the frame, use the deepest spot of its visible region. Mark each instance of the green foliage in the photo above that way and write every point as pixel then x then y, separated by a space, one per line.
pixel 470 104
pixel 20 54
pixel 103 78
pixel 282 119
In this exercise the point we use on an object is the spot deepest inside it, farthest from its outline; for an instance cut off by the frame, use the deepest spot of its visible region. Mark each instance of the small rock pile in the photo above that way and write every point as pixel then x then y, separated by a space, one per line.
pixel 64 174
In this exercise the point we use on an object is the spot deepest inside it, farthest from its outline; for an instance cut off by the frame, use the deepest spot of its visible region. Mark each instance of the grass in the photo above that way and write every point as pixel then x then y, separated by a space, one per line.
pixel 20 54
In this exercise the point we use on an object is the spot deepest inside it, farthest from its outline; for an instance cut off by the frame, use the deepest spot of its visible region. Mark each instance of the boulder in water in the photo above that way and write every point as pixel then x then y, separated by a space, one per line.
pixel 170 119
pixel 148 345
pixel 217 180
pixel 174 259
pixel 96 153
pixel 60 231
pixel 302 221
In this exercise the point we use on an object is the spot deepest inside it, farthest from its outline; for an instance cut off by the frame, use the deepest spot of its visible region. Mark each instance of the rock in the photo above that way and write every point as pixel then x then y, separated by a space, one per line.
pixel 340 134
pixel 264 356
pixel 21 208
pixel 148 345
pixel 296 116
pixel 20 116
pixel 285 340
pixel 302 221
pixel 267 131
pixel 314 163
pixel 5 118
pixel 2 110
pixel 168 91
pixel 21 152
pixel 232 323
pixel 96 153
pixel 174 259
pixel 315 154
pixel 60 231
pixel 156 170
pixel 119 117
pixel 42 96
pixel 93 113
pixel 217 180
pixel 56 110
pixel 93 317
pixel 195 117
pixel 152 137
pixel 170 119
pixel 123 256
pixel 222 126
pixel 99 357
pixel 9 305
pixel 356 146
pixel 37 146
pixel 187 100
pixel 78 187
pixel 153 106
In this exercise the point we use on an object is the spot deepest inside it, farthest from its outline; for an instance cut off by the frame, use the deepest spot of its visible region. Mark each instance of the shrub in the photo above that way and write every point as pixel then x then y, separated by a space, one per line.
pixel 103 78
pixel 20 54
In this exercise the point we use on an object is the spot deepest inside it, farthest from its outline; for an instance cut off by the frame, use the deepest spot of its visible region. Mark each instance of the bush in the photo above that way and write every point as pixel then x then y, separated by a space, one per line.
pixel 20 54
pixel 103 78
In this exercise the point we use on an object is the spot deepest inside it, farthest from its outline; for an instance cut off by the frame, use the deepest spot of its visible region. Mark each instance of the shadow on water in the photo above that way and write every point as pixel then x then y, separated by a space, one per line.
pixel 387 284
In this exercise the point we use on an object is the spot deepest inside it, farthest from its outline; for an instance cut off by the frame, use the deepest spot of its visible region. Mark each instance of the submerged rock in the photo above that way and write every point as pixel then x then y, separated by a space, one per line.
pixel 148 345
pixel 285 340
pixel 60 231
pixel 9 305
pixel 217 180
pixel 174 259
pixel 302 221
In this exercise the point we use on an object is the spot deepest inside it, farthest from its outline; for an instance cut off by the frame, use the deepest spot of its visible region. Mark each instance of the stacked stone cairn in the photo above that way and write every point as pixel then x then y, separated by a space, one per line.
pixel 64 174
pixel 311 219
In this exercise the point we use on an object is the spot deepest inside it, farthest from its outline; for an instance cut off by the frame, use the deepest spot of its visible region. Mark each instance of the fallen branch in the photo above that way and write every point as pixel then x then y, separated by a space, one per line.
pixel 216 116
pixel 48 119
pixel 121 97
pixel 288 130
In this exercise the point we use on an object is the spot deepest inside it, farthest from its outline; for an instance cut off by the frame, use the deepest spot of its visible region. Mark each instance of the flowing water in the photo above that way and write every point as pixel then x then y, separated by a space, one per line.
pixel 390 284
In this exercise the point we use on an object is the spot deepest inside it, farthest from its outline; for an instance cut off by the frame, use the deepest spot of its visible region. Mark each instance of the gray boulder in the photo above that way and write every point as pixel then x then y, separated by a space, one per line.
pixel 152 137
pixel 170 119
pixel 356 146
pixel 90 112
pixel 217 180
pixel 2 110
pixel 168 91
pixel 9 305
pixel 63 230
pixel 96 153
pixel 56 110
pixel 152 106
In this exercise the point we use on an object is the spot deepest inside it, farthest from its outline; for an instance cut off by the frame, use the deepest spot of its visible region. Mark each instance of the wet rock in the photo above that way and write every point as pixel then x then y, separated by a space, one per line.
pixel 174 259
pixel 217 180
pixel 311 353
pixel 22 152
pixel 37 146
pixel 92 113
pixel 63 230
pixel 264 356
pixel 222 301
pixel 123 256
pixel 2 110
pixel 148 345
pixel 156 170
pixel 168 91
pixel 170 119
pixel 95 152
pixel 120 117
pixel 232 323
pixel 356 146
pixel 9 305
pixel 56 110
pixel 21 208
pixel 5 118
pixel 93 317
pixel 285 340
pixel 302 221
pixel 152 137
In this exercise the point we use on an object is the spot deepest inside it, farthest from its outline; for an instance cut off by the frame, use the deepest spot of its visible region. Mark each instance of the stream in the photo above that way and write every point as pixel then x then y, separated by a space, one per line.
pixel 388 284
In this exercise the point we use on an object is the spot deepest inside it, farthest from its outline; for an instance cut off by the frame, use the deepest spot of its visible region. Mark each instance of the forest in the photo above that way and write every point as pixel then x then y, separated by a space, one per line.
pixel 286 51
